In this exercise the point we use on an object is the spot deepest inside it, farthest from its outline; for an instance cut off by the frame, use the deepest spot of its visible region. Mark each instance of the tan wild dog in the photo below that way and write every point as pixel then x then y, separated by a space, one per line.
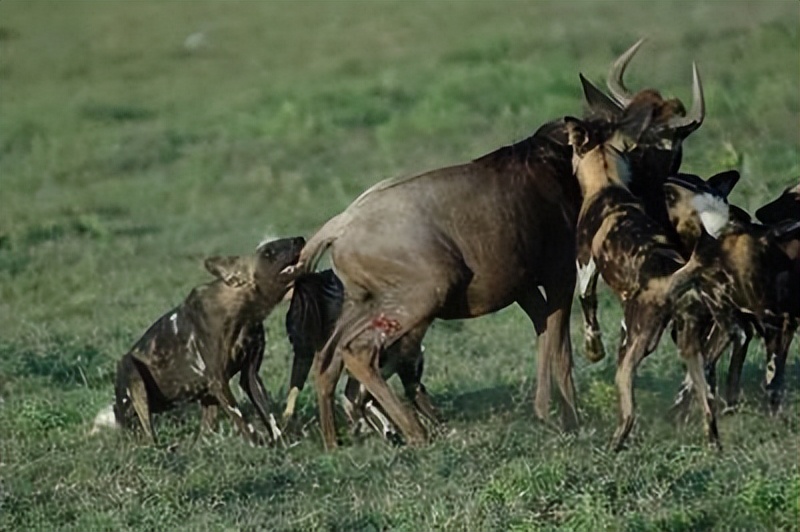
pixel 619 241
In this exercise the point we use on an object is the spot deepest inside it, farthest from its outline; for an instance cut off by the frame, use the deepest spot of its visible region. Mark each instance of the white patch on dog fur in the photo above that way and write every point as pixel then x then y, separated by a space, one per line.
pixel 174 320
pixel 199 365
pixel 105 419
pixel 273 425
pixel 542 291
pixel 386 426
pixel 713 211
pixel 585 274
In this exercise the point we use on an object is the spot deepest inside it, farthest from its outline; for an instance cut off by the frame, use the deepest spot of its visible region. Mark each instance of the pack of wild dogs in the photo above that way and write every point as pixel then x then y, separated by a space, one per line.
pixel 580 199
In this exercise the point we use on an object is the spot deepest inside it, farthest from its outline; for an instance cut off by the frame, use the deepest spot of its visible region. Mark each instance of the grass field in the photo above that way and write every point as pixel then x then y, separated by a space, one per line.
pixel 137 138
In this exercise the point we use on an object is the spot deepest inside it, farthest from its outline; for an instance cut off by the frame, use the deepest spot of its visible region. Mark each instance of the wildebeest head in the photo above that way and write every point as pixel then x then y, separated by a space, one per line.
pixel 693 204
pixel 784 207
pixel 659 148
pixel 268 272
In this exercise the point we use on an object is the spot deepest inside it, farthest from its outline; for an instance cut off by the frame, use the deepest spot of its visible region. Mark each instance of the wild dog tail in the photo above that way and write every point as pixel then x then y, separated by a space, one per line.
pixel 321 241
pixel 315 307
pixel 122 402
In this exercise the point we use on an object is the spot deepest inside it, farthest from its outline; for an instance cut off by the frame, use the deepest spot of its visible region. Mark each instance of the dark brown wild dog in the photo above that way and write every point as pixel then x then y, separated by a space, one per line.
pixel 649 167
pixel 618 240
pixel 192 351
pixel 747 272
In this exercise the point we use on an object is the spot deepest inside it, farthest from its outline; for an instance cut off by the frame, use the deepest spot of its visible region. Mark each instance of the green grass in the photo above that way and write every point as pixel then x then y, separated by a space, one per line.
pixel 126 158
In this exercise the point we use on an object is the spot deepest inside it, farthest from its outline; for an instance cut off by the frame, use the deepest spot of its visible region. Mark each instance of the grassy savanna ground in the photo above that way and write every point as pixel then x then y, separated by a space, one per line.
pixel 128 153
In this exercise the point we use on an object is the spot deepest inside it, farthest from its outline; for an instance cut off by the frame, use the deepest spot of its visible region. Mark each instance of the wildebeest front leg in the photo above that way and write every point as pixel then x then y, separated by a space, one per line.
pixel 222 393
pixel 550 314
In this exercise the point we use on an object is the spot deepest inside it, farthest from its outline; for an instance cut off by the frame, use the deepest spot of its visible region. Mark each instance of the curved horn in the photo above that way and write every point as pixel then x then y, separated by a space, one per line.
pixel 693 120
pixel 598 101
pixel 614 80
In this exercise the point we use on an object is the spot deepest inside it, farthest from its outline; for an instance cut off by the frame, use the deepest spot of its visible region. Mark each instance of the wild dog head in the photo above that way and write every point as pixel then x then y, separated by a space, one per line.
pixel 267 274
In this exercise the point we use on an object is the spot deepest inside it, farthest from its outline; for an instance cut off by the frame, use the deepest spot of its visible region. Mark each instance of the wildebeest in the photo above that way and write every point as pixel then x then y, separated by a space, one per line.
pixel 748 274
pixel 315 306
pixel 617 239
pixel 461 242
pixel 191 352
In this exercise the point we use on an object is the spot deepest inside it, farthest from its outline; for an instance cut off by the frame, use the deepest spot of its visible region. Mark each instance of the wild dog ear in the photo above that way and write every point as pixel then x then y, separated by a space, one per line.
pixel 230 269
pixel 724 182
pixel 576 131
pixel 597 100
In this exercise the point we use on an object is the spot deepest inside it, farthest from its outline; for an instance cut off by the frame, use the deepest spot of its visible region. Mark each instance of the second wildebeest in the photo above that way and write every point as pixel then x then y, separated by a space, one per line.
pixel 461 242
pixel 191 352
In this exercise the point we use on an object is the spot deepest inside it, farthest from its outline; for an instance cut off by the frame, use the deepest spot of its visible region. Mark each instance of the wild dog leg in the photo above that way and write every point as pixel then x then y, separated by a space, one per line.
pixel 777 349
pixel 141 403
pixel 705 399
pixel 690 347
pixel 646 323
pixel 253 386
pixel 593 341
pixel 220 390
pixel 732 388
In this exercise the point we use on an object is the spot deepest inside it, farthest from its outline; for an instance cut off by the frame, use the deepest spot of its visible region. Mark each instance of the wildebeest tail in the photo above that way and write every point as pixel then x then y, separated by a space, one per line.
pixel 315 307
pixel 321 241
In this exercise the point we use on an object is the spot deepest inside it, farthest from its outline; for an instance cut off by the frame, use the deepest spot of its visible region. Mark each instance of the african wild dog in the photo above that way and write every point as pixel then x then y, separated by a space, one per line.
pixel 618 240
pixel 315 306
pixel 649 168
pixel 191 352
pixel 747 273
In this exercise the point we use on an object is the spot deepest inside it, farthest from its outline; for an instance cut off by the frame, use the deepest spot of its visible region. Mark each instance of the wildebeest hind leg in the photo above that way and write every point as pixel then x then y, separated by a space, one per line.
pixel 325 384
pixel 360 360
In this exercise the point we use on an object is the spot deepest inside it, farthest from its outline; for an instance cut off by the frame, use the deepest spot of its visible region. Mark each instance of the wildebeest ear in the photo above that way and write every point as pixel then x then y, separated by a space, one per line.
pixel 636 122
pixel 578 136
pixel 230 269
pixel 598 101
pixel 724 182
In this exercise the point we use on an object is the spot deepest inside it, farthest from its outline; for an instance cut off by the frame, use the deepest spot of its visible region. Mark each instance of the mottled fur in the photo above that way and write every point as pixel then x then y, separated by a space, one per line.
pixel 191 352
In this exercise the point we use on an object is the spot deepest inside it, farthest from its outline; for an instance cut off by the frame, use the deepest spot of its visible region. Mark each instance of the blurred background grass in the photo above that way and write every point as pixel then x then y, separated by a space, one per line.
pixel 136 138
